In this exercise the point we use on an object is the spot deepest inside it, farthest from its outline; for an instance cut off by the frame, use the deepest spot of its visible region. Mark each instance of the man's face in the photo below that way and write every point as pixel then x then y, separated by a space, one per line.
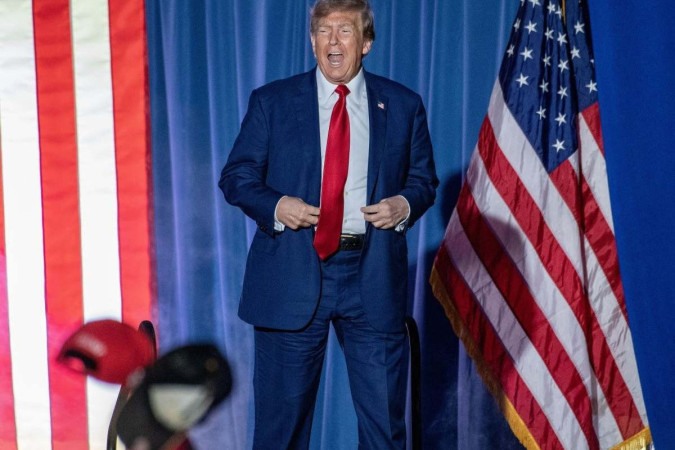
pixel 339 47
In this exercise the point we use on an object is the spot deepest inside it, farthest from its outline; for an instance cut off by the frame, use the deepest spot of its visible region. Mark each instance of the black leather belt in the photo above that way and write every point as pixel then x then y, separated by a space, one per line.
pixel 351 241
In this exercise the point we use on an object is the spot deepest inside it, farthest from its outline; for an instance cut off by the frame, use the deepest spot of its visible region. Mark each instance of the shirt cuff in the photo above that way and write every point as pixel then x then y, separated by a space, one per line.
pixel 402 225
pixel 278 226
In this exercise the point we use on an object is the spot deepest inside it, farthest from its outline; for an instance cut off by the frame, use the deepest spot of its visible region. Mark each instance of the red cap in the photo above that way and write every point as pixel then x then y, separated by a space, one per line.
pixel 107 350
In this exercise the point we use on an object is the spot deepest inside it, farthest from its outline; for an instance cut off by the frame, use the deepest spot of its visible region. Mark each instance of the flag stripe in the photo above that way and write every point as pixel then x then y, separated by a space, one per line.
pixel 98 186
pixel 525 357
pixel 7 423
pixel 23 226
pixel 561 222
pixel 598 233
pixel 604 282
pixel 61 225
pixel 560 178
pixel 549 299
pixel 483 335
pixel 517 296
pixel 531 221
pixel 591 116
pixel 605 287
pixel 97 171
pixel 599 228
pixel 593 164
pixel 520 154
pixel 129 83
pixel 554 260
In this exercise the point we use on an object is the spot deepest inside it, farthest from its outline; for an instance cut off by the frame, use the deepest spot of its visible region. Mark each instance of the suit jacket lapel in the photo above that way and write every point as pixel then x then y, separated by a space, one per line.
pixel 377 106
pixel 306 110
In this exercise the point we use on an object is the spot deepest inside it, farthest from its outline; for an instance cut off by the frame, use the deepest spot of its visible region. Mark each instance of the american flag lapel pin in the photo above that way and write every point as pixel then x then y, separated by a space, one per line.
pixel 380 105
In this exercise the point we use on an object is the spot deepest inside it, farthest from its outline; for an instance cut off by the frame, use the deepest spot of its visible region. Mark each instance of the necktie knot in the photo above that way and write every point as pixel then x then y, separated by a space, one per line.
pixel 342 90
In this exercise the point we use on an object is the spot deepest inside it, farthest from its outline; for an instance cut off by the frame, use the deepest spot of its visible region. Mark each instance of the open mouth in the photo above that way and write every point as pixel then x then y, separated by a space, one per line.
pixel 335 58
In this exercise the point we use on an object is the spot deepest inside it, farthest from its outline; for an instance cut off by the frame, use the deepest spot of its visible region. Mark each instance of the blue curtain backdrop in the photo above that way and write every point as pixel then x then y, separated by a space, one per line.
pixel 635 58
pixel 205 57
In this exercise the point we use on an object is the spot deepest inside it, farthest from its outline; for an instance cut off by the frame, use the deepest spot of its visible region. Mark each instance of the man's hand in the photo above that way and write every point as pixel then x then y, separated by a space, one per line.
pixel 295 213
pixel 386 214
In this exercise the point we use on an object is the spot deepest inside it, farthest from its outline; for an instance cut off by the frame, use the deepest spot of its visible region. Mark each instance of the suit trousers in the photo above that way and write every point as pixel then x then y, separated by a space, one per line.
pixel 288 368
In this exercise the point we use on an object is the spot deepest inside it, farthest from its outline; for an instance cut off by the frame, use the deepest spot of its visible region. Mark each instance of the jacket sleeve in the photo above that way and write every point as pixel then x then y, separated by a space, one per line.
pixel 421 181
pixel 243 179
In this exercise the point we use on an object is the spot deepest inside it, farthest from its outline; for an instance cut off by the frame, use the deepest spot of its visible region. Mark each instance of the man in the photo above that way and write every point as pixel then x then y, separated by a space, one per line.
pixel 329 249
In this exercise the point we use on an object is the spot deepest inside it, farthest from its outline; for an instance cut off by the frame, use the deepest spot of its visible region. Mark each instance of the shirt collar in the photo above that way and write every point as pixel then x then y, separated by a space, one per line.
pixel 325 89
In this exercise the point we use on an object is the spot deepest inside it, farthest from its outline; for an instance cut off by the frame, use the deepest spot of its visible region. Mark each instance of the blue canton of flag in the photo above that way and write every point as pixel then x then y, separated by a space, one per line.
pixel 581 55
pixel 537 83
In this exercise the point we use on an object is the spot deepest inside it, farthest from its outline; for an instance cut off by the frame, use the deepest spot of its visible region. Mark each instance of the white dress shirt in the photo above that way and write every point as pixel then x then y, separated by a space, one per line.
pixel 356 186
pixel 359 140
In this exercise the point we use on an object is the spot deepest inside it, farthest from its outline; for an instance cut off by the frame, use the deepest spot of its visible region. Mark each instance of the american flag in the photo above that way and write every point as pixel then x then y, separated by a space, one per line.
pixel 75 217
pixel 528 271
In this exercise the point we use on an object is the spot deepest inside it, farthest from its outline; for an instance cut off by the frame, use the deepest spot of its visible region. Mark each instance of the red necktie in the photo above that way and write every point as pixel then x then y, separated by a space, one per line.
pixel 336 162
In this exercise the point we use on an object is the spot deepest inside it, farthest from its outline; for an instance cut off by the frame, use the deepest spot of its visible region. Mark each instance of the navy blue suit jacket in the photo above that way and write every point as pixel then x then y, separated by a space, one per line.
pixel 278 152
